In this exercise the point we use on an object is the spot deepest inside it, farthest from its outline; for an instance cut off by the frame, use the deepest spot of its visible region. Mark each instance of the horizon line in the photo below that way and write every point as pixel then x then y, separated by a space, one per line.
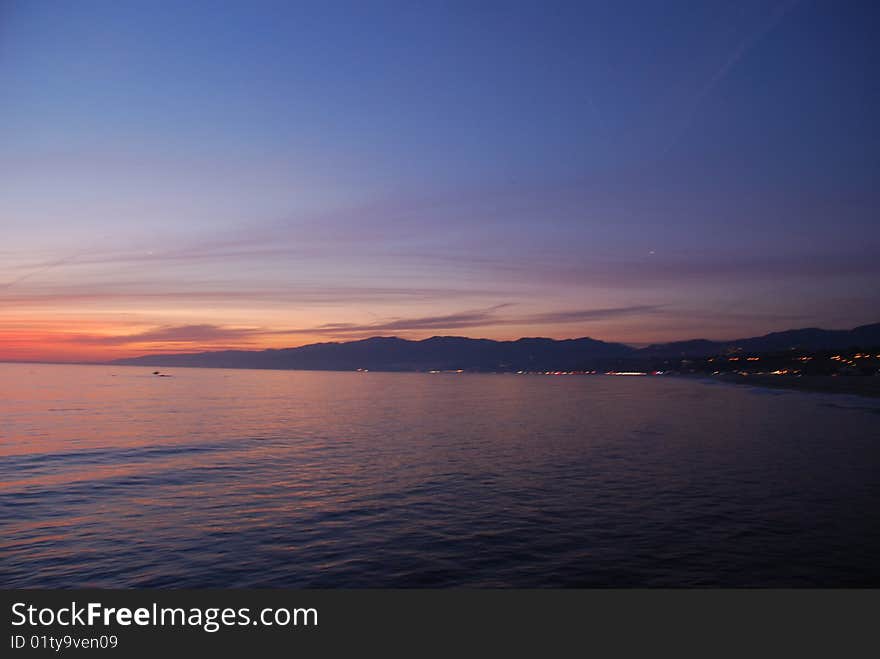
pixel 634 345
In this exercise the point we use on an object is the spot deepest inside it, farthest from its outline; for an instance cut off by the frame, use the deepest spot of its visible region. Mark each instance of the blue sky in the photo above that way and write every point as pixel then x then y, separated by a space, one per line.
pixel 197 175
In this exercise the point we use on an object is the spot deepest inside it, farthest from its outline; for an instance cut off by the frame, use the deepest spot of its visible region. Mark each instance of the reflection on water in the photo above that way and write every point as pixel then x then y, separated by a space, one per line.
pixel 112 477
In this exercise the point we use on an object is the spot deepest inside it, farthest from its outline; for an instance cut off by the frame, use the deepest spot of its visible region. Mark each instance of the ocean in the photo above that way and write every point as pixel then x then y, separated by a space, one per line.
pixel 113 477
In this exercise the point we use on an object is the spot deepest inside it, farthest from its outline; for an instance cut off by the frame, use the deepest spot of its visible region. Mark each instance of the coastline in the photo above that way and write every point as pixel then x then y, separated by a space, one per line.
pixel 852 385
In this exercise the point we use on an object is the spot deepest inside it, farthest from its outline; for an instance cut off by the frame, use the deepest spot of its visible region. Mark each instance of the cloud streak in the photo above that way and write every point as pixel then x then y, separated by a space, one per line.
pixel 204 333
pixel 209 334
pixel 216 294
pixel 478 318
pixel 464 319
pixel 46 267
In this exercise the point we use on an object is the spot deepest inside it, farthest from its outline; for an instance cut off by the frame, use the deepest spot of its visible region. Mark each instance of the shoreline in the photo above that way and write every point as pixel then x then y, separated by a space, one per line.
pixel 852 385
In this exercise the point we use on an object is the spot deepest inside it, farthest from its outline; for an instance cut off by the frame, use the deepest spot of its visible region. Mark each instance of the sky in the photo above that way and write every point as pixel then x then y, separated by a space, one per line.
pixel 202 175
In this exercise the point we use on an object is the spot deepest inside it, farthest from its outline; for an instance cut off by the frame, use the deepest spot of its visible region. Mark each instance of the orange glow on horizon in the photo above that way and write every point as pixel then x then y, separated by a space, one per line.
pixel 68 341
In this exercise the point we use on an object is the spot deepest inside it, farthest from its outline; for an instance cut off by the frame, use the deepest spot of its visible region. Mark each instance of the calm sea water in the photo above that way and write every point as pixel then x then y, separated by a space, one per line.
pixel 112 477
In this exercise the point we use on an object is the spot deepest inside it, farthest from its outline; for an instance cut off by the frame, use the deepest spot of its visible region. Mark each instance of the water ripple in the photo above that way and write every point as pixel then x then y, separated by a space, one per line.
pixel 294 479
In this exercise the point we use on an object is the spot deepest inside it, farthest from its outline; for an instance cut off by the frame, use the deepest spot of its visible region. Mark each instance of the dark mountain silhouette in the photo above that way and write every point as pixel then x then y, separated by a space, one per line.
pixel 395 354
pixel 527 354
pixel 810 338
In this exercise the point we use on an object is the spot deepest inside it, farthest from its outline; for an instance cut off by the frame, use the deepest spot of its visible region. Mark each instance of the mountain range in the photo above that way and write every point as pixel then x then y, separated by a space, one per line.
pixel 527 354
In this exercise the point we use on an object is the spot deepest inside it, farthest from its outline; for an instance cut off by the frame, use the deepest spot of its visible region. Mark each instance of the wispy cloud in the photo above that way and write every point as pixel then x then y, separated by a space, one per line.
pixel 210 334
pixel 486 318
pixel 464 319
pixel 40 269
pixel 652 271
pixel 205 333
pixel 587 315
pixel 218 293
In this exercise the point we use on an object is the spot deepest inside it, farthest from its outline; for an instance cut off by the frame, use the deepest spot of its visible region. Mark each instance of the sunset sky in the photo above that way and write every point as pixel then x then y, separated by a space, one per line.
pixel 201 175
